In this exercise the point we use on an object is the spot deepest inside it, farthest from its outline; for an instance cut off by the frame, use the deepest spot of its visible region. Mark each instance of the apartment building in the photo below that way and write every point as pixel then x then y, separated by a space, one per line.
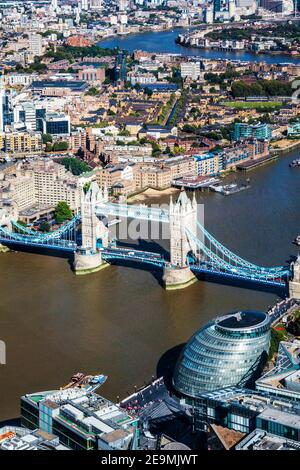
pixel 153 177
pixel 36 44
pixel 53 184
pixel 180 166
pixel 190 70
pixel 40 184
pixel 21 142
pixel 120 179
pixel 207 164
pixel 18 190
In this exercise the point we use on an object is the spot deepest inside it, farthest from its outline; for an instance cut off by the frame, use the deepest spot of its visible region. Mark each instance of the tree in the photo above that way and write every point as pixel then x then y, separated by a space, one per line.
pixel 62 212
pixel 60 146
pixel 21 222
pixel 148 92
pixel 45 226
pixel 276 337
pixel 93 91
pixel 74 165
pixel 124 133
pixel 188 129
pixel 47 138
pixel 156 150
pixel 86 187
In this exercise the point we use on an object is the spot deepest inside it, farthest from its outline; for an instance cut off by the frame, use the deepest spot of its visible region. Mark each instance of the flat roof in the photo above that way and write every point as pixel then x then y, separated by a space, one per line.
pixel 75 85
pixel 281 417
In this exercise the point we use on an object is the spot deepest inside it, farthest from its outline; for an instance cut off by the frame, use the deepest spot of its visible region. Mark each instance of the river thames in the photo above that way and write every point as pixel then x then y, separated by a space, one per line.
pixel 164 41
pixel 121 321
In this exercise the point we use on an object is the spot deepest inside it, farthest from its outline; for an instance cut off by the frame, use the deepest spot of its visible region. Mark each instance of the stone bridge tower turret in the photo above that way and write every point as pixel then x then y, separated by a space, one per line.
pixel 91 227
pixel 294 284
pixel 183 215
pixel 88 257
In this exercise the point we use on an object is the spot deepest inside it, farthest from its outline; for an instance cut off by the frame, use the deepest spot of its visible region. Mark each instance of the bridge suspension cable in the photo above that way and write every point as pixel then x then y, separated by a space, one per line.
pixel 218 263
pixel 232 257
pixel 49 235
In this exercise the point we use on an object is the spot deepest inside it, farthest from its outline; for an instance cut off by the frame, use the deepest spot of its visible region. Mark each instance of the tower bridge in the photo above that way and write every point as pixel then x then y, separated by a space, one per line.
pixel 193 250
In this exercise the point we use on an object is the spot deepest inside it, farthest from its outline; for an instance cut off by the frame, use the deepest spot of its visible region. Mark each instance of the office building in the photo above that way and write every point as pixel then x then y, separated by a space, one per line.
pixel 43 183
pixel 56 124
pixel 239 409
pixel 26 113
pixel 283 380
pixel 262 440
pixel 81 420
pixel 6 116
pixel 17 438
pixel 279 423
pixel 228 351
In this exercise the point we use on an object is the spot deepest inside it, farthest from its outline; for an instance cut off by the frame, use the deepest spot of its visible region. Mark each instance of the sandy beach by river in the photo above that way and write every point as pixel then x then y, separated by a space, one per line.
pixel 285 145
pixel 150 193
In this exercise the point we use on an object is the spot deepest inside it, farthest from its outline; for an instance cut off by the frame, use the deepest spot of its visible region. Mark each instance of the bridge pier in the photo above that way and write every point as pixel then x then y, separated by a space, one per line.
pixel 87 262
pixel 175 278
pixel 3 248
pixel 294 284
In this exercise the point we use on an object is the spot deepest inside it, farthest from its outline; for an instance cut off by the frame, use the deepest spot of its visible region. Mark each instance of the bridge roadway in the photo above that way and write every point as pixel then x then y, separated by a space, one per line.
pixel 108 254
pixel 283 308
pixel 139 256
pixel 219 262
pixel 52 244
pixel 234 274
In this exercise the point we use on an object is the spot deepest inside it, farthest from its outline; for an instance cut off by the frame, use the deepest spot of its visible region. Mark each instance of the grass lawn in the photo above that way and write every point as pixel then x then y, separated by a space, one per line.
pixel 265 105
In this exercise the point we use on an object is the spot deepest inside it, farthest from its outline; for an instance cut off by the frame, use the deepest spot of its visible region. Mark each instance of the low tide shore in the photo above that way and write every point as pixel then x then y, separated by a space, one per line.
pixel 150 194
pixel 285 145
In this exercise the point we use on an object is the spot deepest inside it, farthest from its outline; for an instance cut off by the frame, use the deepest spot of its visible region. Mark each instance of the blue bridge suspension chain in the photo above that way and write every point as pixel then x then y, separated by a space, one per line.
pixel 246 271
pixel 45 236
pixel 237 259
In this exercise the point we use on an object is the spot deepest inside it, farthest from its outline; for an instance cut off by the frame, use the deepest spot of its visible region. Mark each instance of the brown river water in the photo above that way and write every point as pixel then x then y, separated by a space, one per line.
pixel 120 321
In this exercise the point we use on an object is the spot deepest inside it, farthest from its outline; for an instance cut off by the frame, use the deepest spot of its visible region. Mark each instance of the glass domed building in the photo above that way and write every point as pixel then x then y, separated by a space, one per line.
pixel 231 350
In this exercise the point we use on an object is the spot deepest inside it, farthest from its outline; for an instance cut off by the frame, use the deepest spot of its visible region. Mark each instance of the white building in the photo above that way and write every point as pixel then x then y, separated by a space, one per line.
pixel 84 5
pixel 96 5
pixel 36 44
pixel 22 79
pixel 43 183
pixel 54 4
pixel 190 70
pixel 26 112
pixel 123 5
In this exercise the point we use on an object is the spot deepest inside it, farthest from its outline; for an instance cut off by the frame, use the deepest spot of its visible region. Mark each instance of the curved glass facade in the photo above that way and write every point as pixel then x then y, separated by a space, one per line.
pixel 229 351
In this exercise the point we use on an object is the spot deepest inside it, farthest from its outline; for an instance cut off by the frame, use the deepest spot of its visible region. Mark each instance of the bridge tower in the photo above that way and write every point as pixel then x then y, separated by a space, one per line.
pixel 183 215
pixel 88 257
pixel 294 284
